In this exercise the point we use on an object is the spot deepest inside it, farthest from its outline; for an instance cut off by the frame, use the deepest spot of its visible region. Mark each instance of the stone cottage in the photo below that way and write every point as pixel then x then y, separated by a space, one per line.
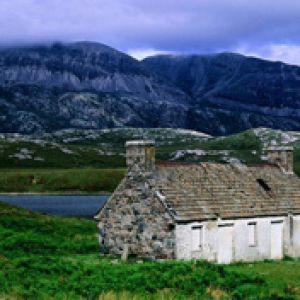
pixel 216 212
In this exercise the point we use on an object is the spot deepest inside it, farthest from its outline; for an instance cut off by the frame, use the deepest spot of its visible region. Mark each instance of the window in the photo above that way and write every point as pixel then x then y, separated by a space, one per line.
pixel 197 238
pixel 263 184
pixel 252 239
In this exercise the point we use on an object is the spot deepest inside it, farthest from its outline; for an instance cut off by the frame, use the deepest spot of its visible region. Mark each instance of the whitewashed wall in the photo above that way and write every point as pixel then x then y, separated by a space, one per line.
pixel 226 241
pixel 293 248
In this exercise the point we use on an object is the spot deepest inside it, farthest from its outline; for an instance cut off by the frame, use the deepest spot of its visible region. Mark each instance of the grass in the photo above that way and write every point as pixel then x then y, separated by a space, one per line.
pixel 45 257
pixel 53 180
pixel 280 274
pixel 55 155
pixel 93 161
pixel 105 149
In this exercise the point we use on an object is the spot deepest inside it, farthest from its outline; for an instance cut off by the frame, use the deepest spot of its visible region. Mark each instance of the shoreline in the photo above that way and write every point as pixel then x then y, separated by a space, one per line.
pixel 75 193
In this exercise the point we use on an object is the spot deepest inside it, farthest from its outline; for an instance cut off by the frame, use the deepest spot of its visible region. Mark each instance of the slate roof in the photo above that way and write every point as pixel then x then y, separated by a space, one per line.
pixel 210 190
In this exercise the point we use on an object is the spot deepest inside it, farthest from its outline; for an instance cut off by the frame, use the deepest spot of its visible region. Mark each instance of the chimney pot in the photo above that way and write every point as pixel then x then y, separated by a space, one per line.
pixel 282 157
pixel 141 153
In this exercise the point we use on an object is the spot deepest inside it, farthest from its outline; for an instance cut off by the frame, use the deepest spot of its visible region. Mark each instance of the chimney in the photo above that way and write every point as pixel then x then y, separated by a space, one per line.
pixel 141 154
pixel 282 157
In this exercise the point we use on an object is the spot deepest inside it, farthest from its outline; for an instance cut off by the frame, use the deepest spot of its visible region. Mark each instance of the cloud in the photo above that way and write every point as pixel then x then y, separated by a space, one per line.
pixel 289 54
pixel 193 26
pixel 142 53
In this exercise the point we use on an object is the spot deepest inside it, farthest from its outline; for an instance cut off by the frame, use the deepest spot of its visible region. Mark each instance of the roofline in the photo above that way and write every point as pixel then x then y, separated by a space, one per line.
pixel 185 221
pixel 140 143
pixel 97 215
pixel 162 199
pixel 158 195
pixel 279 148
pixel 170 163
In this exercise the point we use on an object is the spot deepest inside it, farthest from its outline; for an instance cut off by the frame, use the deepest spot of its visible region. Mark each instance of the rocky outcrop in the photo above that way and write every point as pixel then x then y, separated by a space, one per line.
pixel 82 66
pixel 36 110
pixel 83 85
pixel 92 86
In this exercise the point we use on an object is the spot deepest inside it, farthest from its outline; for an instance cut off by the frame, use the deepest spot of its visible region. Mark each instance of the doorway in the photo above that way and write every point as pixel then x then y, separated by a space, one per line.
pixel 277 240
pixel 225 243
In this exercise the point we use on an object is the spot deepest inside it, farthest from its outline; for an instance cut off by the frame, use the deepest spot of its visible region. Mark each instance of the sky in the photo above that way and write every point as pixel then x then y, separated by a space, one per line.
pixel 265 28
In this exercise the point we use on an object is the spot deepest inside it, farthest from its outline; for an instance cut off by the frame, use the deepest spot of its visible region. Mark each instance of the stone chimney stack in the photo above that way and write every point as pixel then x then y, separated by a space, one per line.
pixel 282 157
pixel 140 155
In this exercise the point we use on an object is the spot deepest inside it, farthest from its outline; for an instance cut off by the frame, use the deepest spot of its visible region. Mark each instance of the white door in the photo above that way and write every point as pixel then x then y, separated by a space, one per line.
pixel 276 240
pixel 197 241
pixel 197 237
pixel 225 244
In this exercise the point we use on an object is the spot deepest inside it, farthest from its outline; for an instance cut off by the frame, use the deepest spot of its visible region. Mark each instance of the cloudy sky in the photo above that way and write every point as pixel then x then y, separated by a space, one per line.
pixel 264 28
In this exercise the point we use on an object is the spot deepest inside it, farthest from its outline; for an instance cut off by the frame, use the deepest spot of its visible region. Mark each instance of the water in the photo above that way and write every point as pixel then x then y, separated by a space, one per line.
pixel 68 206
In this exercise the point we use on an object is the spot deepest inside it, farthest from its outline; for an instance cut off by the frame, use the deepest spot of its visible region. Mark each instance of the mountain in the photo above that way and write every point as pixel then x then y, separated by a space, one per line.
pixel 82 85
pixel 88 85
pixel 231 92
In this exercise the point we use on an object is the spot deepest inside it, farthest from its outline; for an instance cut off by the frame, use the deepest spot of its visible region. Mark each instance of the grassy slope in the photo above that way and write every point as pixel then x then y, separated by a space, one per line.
pixel 97 149
pixel 58 156
pixel 105 149
pixel 44 162
pixel 53 180
pixel 279 275
pixel 43 257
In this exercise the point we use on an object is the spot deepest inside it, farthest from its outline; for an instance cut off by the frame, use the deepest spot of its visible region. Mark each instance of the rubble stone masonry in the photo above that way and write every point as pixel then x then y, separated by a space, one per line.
pixel 135 218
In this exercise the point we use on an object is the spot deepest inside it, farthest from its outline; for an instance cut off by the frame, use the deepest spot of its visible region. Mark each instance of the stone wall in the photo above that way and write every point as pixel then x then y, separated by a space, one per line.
pixel 135 218
pixel 283 157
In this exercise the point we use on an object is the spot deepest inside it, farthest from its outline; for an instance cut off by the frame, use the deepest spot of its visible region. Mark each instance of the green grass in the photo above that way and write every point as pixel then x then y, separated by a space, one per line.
pixel 105 149
pixel 93 161
pixel 45 257
pixel 279 275
pixel 52 181
pixel 53 156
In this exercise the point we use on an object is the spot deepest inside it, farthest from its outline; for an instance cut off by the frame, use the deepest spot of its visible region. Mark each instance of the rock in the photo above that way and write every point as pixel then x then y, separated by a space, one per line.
pixel 115 262
pixel 125 253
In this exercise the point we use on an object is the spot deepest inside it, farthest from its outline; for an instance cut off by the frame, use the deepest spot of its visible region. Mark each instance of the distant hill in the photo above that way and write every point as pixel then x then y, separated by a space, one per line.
pixel 105 148
pixel 88 85
pixel 231 92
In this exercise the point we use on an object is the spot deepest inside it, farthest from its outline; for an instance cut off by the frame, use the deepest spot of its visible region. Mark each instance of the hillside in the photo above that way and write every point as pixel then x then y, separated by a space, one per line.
pixel 46 257
pixel 87 85
pixel 231 92
pixel 87 148
pixel 82 85
pixel 91 161
pixel 105 148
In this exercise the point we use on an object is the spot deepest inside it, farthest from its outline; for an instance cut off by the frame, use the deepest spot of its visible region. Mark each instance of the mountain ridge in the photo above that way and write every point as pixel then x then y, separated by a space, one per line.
pixel 89 85
pixel 254 92
pixel 82 85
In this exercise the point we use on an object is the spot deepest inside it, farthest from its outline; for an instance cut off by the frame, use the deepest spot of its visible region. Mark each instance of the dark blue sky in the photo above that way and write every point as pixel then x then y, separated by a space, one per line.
pixel 265 28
